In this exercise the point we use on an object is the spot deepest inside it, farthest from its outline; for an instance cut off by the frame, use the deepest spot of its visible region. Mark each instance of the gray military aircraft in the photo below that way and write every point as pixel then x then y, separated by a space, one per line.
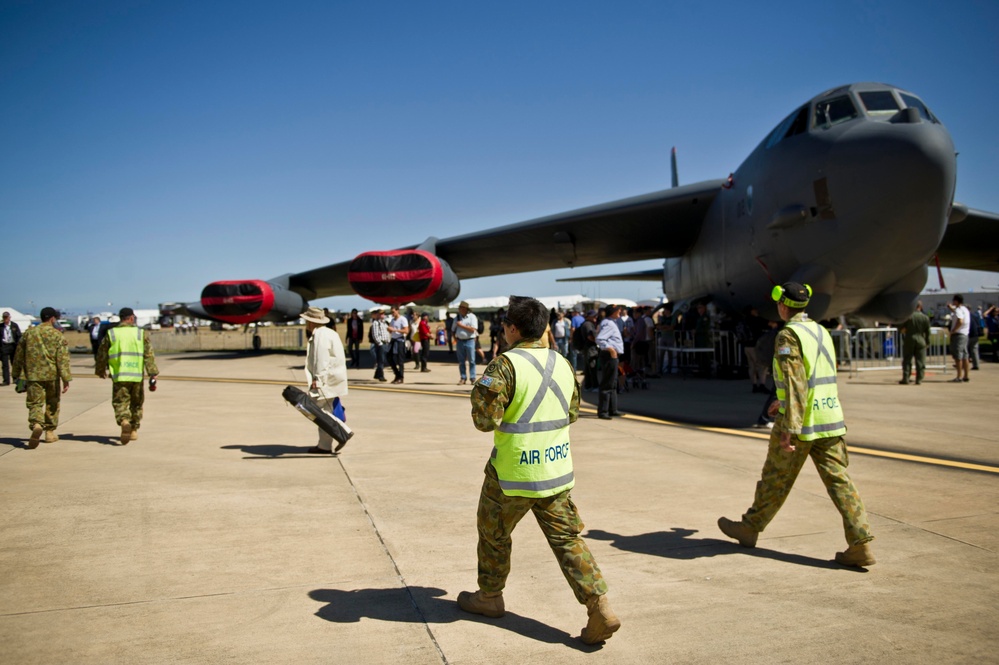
pixel 852 193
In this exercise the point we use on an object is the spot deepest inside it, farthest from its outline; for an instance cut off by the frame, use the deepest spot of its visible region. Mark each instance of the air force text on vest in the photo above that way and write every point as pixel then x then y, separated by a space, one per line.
pixel 829 402
pixel 552 454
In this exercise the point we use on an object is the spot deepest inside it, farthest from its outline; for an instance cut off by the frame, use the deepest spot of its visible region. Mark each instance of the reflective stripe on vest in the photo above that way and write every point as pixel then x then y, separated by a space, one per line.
pixel 823 416
pixel 531 446
pixel 125 354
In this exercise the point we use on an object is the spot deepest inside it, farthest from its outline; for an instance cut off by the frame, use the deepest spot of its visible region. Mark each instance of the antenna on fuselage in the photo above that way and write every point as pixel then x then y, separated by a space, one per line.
pixel 672 163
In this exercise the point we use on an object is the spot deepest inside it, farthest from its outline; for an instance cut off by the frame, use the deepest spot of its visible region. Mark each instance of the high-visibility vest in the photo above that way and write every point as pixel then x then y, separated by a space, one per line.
pixel 823 417
pixel 531 446
pixel 125 353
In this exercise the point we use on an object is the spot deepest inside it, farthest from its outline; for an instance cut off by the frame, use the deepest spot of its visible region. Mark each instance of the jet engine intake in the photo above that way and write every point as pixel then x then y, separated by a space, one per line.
pixel 402 276
pixel 247 301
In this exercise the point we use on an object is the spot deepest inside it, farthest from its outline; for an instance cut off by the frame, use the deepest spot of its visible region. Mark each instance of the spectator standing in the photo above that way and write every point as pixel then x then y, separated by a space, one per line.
pixel 380 339
pixel 960 326
pixel 466 330
pixel 992 330
pixel 917 337
pixel 398 328
pixel 560 330
pixel 611 347
pixel 10 335
pixel 976 331
pixel 425 337
pixel 355 333
pixel 95 330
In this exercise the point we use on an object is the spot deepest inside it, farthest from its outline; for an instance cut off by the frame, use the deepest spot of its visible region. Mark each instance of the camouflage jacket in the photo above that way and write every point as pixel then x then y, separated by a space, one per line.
pixel 148 359
pixel 787 353
pixel 42 355
pixel 489 401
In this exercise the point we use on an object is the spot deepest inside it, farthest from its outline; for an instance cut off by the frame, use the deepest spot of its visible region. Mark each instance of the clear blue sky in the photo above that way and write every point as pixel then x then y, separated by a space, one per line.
pixel 148 148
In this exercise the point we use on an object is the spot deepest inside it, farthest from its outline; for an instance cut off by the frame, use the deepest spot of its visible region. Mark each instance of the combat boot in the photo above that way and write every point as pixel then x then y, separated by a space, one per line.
pixel 857 555
pixel 126 432
pixel 739 531
pixel 486 603
pixel 51 436
pixel 602 623
pixel 36 436
pixel 135 435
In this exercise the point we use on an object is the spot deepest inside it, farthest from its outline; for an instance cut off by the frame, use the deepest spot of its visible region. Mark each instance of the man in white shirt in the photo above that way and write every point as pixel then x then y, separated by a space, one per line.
pixel 960 326
pixel 611 346
pixel 466 329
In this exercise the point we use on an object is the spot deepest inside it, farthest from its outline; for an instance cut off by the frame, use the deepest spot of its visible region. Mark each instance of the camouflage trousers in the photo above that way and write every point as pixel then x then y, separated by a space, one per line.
pixel 42 398
pixel 127 398
pixel 559 520
pixel 781 470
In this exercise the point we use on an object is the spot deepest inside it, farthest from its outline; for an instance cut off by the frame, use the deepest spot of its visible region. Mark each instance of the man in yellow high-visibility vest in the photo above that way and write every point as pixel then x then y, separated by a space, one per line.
pixel 809 423
pixel 527 397
pixel 127 354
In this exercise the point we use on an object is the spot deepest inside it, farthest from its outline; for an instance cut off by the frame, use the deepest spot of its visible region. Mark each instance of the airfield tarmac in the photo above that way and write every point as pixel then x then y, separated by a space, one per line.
pixel 215 539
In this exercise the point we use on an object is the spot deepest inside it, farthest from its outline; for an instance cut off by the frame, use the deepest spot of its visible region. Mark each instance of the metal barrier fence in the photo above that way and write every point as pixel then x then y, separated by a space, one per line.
pixel 862 350
pixel 881 348
pixel 679 352
pixel 271 337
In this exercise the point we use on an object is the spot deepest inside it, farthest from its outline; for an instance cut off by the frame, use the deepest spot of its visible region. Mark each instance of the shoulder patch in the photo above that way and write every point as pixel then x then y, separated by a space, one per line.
pixel 783 350
pixel 486 381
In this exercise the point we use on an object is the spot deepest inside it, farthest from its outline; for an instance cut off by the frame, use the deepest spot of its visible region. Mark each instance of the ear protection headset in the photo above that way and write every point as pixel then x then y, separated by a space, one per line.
pixel 777 295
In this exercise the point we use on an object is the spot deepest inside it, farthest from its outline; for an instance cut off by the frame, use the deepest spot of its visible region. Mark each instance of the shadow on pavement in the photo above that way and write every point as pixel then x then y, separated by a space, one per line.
pixel 677 544
pixel 92 438
pixel 425 605
pixel 276 451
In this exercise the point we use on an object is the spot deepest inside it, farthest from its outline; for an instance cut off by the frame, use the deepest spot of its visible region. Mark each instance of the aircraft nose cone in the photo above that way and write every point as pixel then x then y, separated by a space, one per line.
pixel 899 184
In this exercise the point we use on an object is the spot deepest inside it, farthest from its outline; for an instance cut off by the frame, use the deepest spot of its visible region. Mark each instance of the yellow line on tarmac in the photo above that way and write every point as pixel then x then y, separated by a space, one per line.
pixel 935 461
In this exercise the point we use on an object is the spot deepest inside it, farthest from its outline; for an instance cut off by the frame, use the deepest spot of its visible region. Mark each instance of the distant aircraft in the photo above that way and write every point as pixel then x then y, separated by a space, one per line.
pixel 852 193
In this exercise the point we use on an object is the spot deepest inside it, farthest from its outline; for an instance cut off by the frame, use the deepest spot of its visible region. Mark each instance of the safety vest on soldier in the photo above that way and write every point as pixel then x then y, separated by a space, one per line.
pixel 823 416
pixel 531 454
pixel 125 353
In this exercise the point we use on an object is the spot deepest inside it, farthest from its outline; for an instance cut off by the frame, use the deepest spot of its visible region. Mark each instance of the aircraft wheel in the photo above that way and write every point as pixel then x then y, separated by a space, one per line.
pixel 257 342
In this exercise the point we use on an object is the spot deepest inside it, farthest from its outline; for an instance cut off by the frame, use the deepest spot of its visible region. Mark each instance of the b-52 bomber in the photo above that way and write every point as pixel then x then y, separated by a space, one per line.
pixel 852 193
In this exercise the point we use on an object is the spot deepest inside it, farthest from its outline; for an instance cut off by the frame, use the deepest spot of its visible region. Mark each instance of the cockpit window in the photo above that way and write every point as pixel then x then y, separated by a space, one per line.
pixel 914 103
pixel 796 123
pixel 879 103
pixel 833 112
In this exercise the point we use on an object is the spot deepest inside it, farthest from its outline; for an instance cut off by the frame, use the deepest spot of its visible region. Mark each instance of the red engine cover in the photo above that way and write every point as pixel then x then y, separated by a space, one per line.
pixel 396 277
pixel 238 301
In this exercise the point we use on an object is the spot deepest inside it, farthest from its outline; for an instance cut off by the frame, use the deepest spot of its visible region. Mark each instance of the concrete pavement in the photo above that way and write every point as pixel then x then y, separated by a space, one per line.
pixel 214 538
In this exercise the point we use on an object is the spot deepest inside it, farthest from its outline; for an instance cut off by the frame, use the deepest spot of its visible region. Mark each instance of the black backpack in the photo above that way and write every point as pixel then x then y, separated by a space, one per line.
pixel 578 341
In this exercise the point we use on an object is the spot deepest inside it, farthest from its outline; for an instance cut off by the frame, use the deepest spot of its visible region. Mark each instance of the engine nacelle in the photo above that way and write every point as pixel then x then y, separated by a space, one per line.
pixel 402 276
pixel 247 301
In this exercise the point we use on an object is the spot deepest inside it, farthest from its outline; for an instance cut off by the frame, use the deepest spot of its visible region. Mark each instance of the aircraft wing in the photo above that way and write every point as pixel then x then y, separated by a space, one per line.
pixel 651 226
pixel 972 243
pixel 654 275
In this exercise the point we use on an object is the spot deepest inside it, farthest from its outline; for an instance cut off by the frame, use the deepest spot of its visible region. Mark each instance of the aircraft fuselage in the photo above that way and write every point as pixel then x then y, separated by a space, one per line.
pixel 852 201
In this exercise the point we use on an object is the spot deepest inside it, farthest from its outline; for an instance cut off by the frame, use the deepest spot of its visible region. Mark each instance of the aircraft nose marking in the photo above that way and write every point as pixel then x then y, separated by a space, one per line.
pixel 822 199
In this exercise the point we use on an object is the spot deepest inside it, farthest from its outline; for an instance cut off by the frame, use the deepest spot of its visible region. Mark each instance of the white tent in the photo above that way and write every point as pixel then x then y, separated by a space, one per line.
pixel 495 302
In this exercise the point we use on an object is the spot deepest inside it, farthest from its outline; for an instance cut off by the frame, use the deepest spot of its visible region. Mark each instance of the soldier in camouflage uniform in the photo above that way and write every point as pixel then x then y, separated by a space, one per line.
pixel 42 360
pixel 127 396
pixel 800 432
pixel 498 406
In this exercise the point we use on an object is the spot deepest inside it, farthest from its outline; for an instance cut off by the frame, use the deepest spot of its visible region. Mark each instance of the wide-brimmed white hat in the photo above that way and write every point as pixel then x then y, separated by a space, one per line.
pixel 315 315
